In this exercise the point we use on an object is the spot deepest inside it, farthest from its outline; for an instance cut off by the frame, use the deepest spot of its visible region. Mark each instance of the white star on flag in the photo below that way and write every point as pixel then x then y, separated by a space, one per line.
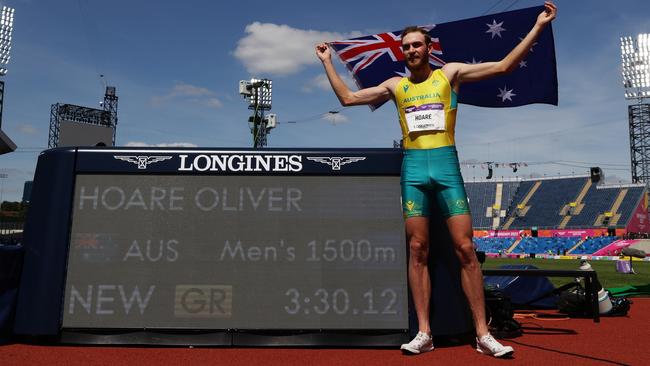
pixel 474 62
pixel 523 64
pixel 505 94
pixel 495 28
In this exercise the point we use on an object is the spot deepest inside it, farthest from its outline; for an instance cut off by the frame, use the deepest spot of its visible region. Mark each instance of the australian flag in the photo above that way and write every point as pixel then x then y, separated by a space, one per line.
pixel 375 58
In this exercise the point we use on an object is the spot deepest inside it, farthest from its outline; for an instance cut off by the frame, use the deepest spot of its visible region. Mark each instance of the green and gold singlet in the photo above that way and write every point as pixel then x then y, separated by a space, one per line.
pixel 427 112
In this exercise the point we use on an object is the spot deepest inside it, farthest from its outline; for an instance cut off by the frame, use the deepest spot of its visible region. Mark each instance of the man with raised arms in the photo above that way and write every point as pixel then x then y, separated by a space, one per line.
pixel 426 104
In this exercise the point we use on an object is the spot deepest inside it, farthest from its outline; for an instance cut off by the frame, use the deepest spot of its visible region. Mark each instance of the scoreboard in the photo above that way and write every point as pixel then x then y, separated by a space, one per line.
pixel 236 252
pixel 294 247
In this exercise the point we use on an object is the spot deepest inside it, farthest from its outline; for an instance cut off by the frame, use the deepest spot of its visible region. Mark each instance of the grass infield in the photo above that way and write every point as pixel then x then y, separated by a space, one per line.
pixel 606 270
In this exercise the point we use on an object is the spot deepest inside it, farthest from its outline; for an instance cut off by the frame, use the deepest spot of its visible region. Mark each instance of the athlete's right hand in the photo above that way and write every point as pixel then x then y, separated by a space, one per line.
pixel 323 51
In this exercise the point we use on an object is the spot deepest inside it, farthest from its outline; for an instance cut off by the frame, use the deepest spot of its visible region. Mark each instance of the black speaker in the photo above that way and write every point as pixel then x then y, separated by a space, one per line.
pixel 489 176
pixel 533 232
pixel 611 231
pixel 596 174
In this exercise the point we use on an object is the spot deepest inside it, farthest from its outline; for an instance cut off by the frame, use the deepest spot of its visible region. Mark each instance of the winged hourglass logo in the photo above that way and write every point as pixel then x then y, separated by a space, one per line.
pixel 142 161
pixel 336 162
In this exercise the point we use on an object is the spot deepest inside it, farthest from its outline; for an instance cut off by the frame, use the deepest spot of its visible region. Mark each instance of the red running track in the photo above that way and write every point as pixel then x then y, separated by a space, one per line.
pixel 613 341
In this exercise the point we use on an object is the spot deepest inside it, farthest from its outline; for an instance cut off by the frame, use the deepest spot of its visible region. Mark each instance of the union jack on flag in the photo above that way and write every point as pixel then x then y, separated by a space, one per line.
pixel 361 52
pixel 375 58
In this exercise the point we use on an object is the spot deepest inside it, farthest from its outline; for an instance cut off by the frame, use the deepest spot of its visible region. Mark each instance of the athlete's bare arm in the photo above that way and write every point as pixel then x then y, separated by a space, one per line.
pixel 347 97
pixel 458 73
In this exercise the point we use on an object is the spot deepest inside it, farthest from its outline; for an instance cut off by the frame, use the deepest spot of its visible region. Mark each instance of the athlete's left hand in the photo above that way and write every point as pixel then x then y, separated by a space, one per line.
pixel 549 13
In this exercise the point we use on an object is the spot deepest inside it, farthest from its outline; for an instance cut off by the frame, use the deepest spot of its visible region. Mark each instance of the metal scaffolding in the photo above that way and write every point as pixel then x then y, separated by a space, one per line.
pixel 635 67
pixel 639 119
pixel 106 117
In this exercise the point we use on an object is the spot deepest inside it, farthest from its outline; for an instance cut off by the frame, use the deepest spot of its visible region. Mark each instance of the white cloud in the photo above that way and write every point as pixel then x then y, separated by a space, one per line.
pixel 321 82
pixel 212 103
pixel 278 49
pixel 27 129
pixel 187 92
pixel 163 144
pixel 187 89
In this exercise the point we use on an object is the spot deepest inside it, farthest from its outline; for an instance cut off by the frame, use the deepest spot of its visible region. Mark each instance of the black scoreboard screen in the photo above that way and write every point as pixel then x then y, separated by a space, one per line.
pixel 236 252
pixel 216 240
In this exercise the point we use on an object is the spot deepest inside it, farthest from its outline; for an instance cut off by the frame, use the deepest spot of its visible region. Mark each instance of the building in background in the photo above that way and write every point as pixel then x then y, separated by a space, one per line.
pixel 27 191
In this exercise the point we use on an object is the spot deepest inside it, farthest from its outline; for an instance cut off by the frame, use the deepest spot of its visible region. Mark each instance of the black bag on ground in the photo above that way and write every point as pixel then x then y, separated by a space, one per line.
pixel 620 306
pixel 500 315
pixel 573 302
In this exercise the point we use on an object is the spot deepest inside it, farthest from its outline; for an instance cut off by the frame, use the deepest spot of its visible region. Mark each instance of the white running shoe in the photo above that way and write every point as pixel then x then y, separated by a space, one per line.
pixel 420 344
pixel 490 346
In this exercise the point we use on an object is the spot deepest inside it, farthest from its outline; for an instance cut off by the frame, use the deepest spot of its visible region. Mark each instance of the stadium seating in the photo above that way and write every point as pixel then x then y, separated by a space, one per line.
pixel 493 245
pixel 509 191
pixel 544 208
pixel 555 246
pixel 550 203
pixel 481 196
pixel 597 201
pixel 547 202
pixel 593 244
pixel 520 193
pixel 632 198
pixel 548 245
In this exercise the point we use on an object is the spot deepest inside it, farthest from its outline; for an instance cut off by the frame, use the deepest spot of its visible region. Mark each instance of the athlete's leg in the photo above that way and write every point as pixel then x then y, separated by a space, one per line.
pixel 415 206
pixel 452 200
pixel 460 228
pixel 417 236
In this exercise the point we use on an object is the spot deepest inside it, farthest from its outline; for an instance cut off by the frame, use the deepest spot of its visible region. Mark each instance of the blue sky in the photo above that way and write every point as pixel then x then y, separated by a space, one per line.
pixel 176 66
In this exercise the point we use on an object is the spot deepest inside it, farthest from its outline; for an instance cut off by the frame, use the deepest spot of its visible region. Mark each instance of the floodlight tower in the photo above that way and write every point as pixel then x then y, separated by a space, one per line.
pixel 110 106
pixel 635 55
pixel 259 93
pixel 6 31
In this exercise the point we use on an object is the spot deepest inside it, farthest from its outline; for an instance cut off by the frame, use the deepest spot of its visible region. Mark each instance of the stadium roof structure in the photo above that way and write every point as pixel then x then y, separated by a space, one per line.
pixel 6 145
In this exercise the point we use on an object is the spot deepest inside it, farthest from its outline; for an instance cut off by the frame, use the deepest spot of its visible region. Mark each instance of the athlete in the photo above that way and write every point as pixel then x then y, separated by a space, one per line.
pixel 426 104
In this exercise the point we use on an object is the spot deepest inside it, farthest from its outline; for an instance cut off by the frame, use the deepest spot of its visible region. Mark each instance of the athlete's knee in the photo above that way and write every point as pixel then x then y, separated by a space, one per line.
pixel 466 253
pixel 418 248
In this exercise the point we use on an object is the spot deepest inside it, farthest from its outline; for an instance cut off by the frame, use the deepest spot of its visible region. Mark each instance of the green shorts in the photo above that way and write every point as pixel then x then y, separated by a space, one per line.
pixel 432 176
